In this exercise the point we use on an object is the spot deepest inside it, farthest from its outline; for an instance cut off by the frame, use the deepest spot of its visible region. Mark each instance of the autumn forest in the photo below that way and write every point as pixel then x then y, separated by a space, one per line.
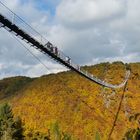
pixel 66 106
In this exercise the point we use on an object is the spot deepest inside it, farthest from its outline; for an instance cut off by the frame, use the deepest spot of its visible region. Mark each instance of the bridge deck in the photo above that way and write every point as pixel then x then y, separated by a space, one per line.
pixel 30 35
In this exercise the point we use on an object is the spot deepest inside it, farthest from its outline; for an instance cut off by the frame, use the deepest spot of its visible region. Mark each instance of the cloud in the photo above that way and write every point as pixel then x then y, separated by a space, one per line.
pixel 90 32
pixel 99 29
pixel 14 58
pixel 81 13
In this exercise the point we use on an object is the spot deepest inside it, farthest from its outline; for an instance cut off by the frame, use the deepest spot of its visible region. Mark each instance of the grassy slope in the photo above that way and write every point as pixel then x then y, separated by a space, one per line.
pixel 76 103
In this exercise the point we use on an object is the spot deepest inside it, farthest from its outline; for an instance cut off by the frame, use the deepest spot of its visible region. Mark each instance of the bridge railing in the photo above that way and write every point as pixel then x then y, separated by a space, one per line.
pixel 15 19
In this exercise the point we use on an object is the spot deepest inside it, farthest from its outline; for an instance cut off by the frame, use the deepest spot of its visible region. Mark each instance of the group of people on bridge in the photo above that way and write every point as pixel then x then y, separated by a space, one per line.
pixel 55 51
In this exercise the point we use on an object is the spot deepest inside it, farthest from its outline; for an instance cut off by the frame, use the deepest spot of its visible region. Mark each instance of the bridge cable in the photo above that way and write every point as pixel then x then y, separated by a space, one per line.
pixel 85 102
pixel 118 111
pixel 103 77
pixel 37 58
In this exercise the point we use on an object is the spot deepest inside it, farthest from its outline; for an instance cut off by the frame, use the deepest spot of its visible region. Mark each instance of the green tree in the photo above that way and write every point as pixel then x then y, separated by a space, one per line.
pixel 55 131
pixel 133 133
pixel 57 134
pixel 66 137
pixel 97 136
pixel 10 128
pixel 37 135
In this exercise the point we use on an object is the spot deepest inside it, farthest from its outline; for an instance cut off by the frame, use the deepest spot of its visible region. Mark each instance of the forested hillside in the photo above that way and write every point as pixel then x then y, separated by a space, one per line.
pixel 80 107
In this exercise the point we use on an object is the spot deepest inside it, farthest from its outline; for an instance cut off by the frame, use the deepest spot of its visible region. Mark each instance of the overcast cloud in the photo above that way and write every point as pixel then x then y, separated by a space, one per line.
pixel 90 31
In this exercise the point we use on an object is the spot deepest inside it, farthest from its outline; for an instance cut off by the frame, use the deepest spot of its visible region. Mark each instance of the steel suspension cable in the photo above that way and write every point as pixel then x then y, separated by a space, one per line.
pixel 36 57
pixel 118 111
pixel 22 30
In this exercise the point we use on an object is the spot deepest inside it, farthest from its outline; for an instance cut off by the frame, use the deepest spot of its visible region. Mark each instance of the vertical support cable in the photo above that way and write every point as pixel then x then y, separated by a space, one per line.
pixel 13 18
pixel 118 111
pixel 41 39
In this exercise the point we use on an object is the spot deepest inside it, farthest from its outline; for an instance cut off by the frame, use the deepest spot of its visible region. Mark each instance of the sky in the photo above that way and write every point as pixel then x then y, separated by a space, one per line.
pixel 89 31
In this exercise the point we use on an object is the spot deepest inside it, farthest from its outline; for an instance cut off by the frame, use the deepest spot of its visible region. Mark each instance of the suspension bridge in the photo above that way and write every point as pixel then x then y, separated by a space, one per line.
pixel 17 26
